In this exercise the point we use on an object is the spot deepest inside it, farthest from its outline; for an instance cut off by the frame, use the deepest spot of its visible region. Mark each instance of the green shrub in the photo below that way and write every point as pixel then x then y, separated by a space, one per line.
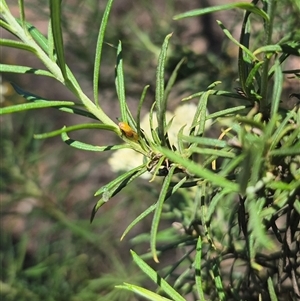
pixel 234 192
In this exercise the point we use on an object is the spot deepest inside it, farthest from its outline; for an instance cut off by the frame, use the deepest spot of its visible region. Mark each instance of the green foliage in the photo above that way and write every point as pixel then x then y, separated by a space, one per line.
pixel 234 193
pixel 56 255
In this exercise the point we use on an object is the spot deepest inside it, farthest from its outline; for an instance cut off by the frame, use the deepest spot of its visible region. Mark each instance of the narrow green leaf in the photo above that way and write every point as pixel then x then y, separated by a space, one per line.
pixel 88 147
pixel 161 102
pixel 35 105
pixel 27 95
pixel 256 225
pixel 30 96
pixel 268 49
pixel 214 203
pixel 242 5
pixel 198 123
pixel 145 39
pixel 158 211
pixel 252 74
pixel 24 70
pixel 214 84
pixel 198 269
pixel 21 252
pixel 36 34
pixel 180 143
pixel 243 63
pixel 156 278
pixel 182 279
pixel 182 259
pixel 204 141
pixel 245 49
pixel 283 129
pixel 120 86
pixel 119 179
pixel 216 93
pixel 202 200
pixel 8 27
pixel 292 151
pixel 110 190
pixel 50 44
pixel 265 77
pixel 74 128
pixel 130 119
pixel 55 15
pixel 277 88
pixel 142 292
pixel 200 171
pixel 283 186
pixel 155 170
pixel 138 118
pixel 64 107
pixel 297 206
pixel 294 138
pixel 97 62
pixel 251 122
pixel 17 45
pixel 38 37
pixel 271 290
pixel 228 168
pixel 138 219
pixel 172 78
pixel 281 200
pixel 226 112
pixel 78 112
pixel 218 283
pixel 213 152
pixel 152 127
pixel 22 12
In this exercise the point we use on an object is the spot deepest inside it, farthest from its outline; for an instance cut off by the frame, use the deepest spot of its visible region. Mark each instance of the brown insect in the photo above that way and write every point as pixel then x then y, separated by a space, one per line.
pixel 128 131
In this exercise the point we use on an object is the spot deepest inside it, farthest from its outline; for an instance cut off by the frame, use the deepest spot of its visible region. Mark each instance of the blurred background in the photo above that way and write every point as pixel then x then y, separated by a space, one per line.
pixel 49 249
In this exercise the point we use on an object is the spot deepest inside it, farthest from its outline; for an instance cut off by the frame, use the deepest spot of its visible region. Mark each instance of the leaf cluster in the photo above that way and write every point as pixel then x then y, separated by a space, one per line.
pixel 245 178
